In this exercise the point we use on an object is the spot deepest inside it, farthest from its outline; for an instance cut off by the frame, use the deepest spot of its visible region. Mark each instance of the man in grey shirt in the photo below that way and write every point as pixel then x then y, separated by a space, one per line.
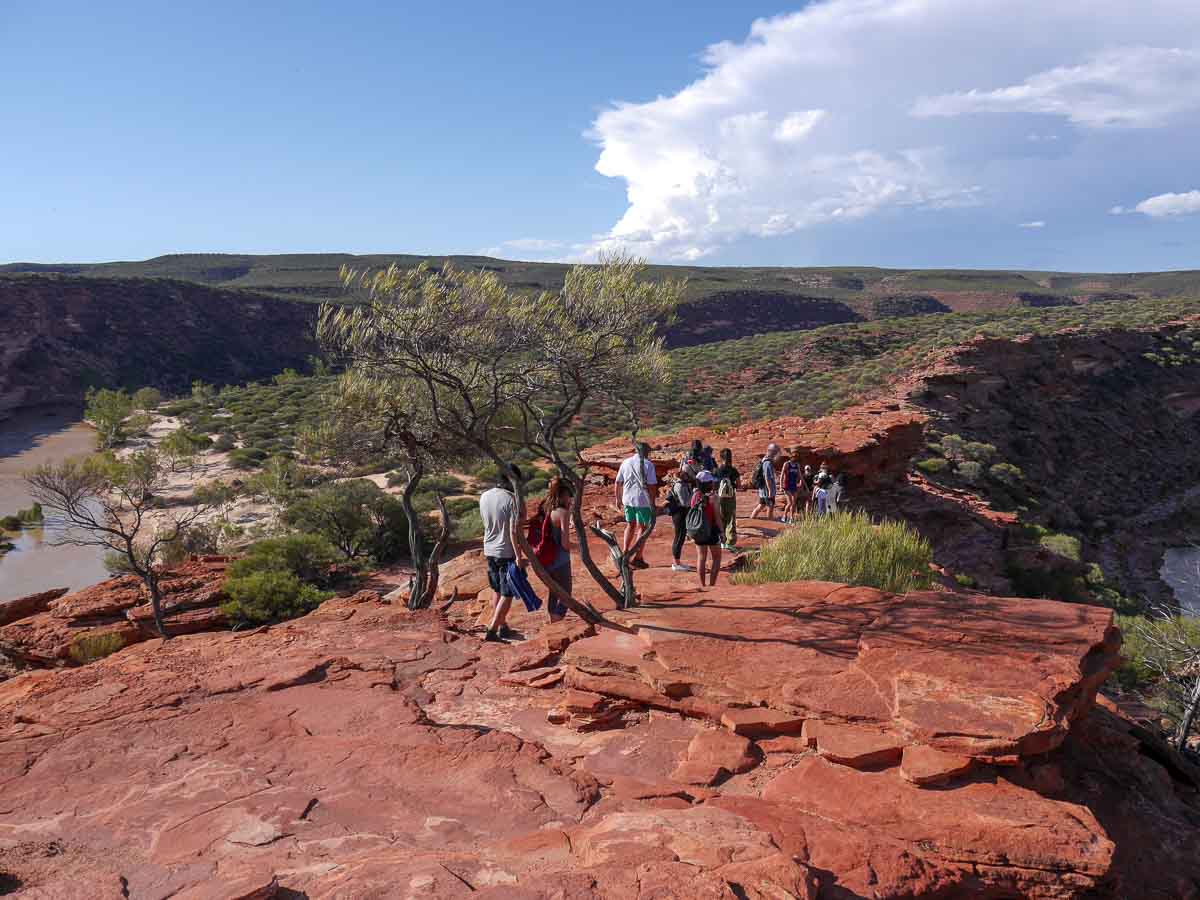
pixel 766 493
pixel 497 507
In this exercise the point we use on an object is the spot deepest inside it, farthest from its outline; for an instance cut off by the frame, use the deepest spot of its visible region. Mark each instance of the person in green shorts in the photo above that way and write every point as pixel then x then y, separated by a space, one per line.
pixel 636 489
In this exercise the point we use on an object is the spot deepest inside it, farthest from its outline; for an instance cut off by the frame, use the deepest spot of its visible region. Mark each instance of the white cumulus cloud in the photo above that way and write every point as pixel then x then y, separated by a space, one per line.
pixel 857 110
pixel 1165 205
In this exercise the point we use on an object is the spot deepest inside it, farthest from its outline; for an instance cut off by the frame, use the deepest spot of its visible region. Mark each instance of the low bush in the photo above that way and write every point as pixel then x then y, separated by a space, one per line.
pixel 257 598
pixel 90 647
pixel 1064 545
pixel 307 556
pixel 933 466
pixel 847 548
pixel 467 525
pixel 1007 473
pixel 969 471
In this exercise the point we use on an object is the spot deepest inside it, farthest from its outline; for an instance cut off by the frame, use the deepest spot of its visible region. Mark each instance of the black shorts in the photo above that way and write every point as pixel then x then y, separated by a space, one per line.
pixel 498 575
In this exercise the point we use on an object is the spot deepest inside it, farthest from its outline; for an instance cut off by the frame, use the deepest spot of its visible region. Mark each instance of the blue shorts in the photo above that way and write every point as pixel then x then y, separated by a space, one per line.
pixel 498 575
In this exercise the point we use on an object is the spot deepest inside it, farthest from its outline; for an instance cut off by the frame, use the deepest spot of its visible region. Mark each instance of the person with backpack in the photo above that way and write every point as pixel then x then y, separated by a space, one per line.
pixel 704 527
pixel 679 498
pixel 791 487
pixel 728 481
pixel 808 483
pixel 821 493
pixel 550 538
pixel 636 489
pixel 763 480
pixel 836 491
pixel 708 461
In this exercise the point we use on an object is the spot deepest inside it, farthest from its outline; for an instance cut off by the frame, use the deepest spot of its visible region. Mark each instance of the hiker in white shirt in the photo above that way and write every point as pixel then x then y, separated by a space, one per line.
pixel 635 492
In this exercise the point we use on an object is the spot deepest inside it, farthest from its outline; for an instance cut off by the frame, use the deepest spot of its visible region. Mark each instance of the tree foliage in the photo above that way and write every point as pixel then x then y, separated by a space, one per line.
pixel 107 410
pixel 485 367
pixel 113 503
pixel 355 516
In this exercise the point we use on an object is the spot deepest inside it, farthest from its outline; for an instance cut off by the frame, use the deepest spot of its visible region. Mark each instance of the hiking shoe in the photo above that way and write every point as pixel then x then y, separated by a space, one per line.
pixel 682 567
pixel 507 634
pixel 639 564
pixel 492 638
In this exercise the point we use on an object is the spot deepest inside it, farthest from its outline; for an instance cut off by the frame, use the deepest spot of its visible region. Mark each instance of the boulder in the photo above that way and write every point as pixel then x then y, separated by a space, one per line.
pixel 28 605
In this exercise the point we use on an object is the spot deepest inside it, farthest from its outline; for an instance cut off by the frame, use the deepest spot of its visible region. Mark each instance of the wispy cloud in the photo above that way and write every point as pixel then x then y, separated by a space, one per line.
pixel 1164 206
pixel 1128 87
pixel 1036 224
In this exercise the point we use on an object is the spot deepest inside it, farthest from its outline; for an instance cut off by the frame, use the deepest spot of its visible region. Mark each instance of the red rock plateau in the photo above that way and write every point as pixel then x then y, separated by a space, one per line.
pixel 872 443
pixel 784 741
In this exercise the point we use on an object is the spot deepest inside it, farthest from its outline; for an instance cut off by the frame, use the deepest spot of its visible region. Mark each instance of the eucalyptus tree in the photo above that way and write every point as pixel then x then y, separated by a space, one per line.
pixel 115 504
pixel 371 419
pixel 494 370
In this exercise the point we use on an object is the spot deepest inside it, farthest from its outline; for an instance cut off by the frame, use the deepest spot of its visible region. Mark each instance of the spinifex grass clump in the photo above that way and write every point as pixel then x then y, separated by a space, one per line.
pixel 847 548
pixel 92 647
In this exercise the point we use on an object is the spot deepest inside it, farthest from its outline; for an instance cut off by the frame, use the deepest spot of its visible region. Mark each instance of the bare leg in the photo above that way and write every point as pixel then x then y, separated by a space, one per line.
pixel 701 555
pixel 501 617
pixel 715 554
pixel 638 531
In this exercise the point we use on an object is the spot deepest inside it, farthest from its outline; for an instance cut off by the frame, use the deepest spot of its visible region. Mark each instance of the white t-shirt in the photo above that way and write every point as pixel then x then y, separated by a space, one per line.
pixel 634 492
pixel 496 509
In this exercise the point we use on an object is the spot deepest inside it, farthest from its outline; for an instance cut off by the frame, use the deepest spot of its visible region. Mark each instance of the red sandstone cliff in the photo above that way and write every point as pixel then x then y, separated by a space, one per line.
pixel 64 333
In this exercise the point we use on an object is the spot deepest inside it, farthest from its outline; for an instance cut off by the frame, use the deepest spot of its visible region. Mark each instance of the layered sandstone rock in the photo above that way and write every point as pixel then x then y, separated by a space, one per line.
pixel 872 444
pixel 52 623
pixel 368 751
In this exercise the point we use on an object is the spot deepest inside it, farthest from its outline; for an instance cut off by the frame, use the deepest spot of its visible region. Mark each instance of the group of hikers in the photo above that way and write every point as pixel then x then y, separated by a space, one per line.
pixel 701 502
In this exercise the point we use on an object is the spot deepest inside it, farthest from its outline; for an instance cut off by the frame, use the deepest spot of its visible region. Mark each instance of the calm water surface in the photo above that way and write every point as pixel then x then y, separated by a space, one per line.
pixel 28 440
pixel 1181 570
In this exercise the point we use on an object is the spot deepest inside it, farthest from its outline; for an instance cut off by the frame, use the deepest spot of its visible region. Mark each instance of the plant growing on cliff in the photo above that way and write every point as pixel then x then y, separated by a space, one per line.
pixel 111 503
pixel 1170 648
pixel 107 410
pixel 495 370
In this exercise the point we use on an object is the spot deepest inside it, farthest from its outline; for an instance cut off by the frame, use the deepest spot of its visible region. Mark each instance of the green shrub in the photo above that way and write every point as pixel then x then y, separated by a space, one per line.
pixel 979 452
pixel 355 516
pixel 147 398
pixel 88 648
pixel 467 525
pixel 11 523
pixel 970 471
pixel 224 442
pixel 965 580
pixel 1007 473
pixel 1064 545
pixel 307 556
pixel 933 466
pixel 257 598
pixel 847 548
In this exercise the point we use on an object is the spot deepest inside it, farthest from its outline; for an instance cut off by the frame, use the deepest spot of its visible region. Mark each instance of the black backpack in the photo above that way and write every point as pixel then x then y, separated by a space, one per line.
pixel 758 480
pixel 699 527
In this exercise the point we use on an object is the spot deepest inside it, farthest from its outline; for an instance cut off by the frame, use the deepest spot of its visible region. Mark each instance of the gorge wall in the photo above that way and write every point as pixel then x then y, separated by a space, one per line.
pixel 63 334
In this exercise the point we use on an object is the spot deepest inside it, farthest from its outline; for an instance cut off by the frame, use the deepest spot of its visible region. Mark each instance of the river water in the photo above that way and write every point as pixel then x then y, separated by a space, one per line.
pixel 27 440
pixel 1181 570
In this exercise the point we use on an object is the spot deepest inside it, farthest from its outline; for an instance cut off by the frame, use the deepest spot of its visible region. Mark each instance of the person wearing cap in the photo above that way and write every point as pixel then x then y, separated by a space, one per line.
pixel 708 548
pixel 766 493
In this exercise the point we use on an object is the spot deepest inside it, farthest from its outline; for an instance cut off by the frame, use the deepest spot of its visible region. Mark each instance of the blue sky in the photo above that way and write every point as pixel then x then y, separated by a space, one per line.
pixel 1024 133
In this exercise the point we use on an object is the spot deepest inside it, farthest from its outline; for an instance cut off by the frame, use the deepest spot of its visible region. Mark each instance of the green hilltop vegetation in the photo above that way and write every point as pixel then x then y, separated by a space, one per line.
pixel 810 373
pixel 315 277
